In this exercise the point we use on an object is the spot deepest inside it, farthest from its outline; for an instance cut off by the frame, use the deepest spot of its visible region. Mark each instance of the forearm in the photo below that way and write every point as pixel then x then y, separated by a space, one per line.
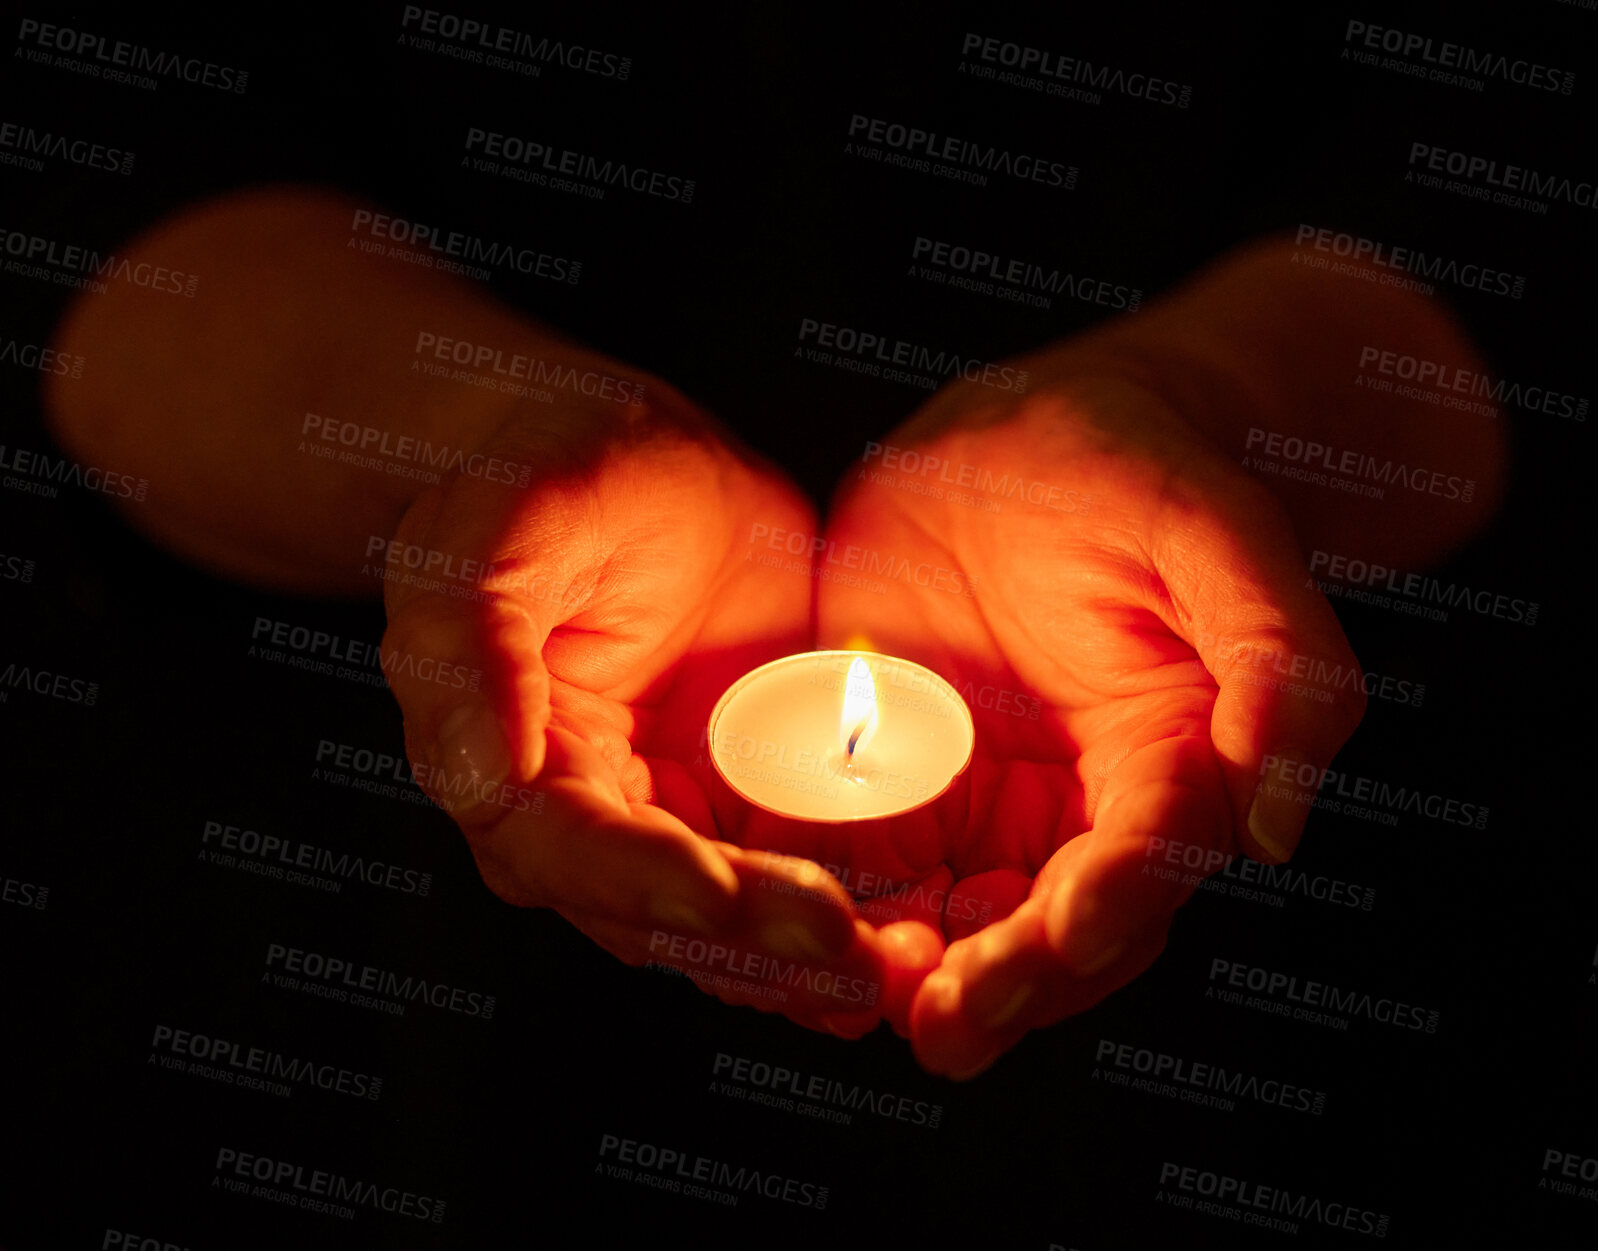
pixel 1262 355
pixel 297 404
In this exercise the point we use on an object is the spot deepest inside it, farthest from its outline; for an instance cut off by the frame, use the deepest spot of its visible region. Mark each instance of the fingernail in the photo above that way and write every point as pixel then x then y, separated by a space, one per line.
pixel 1006 1011
pixel 678 917
pixel 793 940
pixel 1281 806
pixel 472 753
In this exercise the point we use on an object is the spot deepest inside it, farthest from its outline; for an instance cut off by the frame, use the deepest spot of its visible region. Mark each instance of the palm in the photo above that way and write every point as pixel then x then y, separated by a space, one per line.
pixel 664 613
pixel 1068 649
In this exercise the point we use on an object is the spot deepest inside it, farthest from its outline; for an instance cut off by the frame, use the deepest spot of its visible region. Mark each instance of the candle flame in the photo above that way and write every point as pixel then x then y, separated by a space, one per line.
pixel 859 719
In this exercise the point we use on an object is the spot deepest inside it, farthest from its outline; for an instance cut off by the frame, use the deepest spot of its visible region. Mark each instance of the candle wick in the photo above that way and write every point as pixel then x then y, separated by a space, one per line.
pixel 855 737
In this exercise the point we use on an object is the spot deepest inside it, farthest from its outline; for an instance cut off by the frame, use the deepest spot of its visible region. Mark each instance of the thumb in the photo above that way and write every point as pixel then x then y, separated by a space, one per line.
pixel 485 717
pixel 470 678
pixel 463 651
pixel 1291 691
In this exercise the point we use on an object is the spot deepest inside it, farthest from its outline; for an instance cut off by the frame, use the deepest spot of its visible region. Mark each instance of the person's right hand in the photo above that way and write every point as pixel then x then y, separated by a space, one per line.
pixel 620 603
pixel 622 599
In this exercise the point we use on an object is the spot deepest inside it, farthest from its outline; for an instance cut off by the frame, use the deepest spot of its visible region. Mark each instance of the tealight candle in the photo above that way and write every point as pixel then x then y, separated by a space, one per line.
pixel 840 736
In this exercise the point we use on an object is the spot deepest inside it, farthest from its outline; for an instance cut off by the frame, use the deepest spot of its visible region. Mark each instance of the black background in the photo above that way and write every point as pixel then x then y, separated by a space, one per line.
pixel 105 805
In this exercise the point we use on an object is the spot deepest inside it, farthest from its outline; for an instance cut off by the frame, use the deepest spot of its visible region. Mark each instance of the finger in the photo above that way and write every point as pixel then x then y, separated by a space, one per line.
pixel 476 581
pixel 466 662
pixel 1103 889
pixel 924 901
pixel 1291 691
pixel 966 1011
pixel 857 1014
pixel 999 985
pixel 466 738
pixel 792 907
pixel 839 996
pixel 1096 917
pixel 582 847
pixel 911 950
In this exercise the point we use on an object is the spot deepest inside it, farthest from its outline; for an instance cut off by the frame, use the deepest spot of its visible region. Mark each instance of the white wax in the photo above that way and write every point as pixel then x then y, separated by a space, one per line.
pixel 775 738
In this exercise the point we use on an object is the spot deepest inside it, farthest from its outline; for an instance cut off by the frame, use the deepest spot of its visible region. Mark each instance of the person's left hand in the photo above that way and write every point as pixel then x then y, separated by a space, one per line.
pixel 1110 588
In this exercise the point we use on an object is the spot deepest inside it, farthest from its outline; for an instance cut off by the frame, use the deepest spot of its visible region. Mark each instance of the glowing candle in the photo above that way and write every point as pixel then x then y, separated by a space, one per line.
pixel 840 736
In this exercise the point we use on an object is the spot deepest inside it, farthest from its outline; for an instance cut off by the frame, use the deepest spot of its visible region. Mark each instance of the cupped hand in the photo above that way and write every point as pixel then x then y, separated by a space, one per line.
pixel 1113 598
pixel 602 607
